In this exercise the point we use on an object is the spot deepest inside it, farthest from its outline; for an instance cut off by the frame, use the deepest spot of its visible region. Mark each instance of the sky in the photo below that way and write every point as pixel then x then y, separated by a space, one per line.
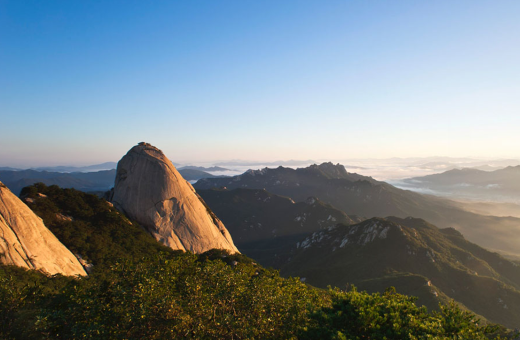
pixel 81 82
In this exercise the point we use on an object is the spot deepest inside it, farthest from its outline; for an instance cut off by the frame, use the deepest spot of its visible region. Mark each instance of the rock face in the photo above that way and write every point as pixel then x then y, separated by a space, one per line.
pixel 151 191
pixel 26 242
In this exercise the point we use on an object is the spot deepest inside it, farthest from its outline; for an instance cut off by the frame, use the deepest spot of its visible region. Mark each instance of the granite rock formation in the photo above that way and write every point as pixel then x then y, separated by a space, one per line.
pixel 149 189
pixel 26 242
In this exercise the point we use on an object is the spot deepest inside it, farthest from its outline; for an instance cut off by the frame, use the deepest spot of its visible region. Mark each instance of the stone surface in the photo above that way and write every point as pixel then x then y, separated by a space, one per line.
pixel 26 242
pixel 151 191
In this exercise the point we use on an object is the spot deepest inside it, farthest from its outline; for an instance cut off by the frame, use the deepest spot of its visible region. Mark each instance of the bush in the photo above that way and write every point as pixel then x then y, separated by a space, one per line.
pixel 357 315
pixel 181 298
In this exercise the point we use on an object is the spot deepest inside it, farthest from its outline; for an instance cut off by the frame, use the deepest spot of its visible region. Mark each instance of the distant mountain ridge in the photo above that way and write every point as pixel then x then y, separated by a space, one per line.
pixel 88 168
pixel 360 195
pixel 8 168
pixel 255 163
pixel 95 181
pixel 500 185
pixel 201 168
pixel 193 174
pixel 84 181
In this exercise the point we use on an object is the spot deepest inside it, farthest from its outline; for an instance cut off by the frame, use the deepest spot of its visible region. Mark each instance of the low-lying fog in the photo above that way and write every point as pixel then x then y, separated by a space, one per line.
pixel 488 200
pixel 392 169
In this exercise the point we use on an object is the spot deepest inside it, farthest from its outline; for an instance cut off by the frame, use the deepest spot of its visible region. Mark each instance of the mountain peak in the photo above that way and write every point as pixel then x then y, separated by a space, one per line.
pixel 150 150
pixel 330 170
pixel 511 169
pixel 151 191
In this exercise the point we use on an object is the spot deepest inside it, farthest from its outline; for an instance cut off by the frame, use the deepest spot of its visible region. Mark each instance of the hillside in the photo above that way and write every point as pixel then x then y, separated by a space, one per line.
pixel 264 226
pixel 269 227
pixel 415 257
pixel 191 297
pixel 26 242
pixel 90 226
pixel 360 195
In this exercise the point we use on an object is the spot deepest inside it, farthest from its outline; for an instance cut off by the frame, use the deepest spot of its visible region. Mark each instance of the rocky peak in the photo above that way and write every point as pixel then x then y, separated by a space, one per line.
pixel 26 242
pixel 149 189
pixel 330 170
pixel 359 234
pixel 254 173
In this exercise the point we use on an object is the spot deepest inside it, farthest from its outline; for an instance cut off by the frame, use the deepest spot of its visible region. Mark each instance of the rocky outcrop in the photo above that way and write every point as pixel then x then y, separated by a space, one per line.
pixel 151 191
pixel 26 242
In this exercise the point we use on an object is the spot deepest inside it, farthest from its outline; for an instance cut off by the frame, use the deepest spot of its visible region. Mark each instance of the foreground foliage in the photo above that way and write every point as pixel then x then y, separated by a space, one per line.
pixel 162 298
pixel 357 315
pixel 202 297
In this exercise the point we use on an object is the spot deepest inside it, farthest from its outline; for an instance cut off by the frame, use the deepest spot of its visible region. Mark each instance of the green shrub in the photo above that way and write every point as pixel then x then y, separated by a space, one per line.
pixel 357 315
pixel 181 298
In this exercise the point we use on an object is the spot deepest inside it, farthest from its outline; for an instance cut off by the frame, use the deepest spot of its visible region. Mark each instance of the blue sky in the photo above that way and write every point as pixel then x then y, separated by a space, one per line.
pixel 81 82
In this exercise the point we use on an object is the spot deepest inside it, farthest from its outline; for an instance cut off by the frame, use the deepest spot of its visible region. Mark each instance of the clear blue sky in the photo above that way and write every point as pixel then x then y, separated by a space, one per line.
pixel 83 81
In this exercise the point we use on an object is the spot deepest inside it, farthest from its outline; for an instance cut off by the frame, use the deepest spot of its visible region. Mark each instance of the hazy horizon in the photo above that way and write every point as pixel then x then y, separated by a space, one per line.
pixel 204 162
pixel 389 169
pixel 82 82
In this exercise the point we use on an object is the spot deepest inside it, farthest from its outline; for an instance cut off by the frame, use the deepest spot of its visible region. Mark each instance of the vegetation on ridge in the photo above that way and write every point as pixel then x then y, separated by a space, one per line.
pixel 90 226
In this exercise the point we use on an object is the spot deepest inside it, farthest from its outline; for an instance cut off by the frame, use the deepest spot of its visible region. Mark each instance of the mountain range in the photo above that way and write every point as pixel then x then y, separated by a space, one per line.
pixel 201 168
pixel 291 162
pixel 84 181
pixel 95 181
pixel 499 185
pixel 364 196
pixel 194 174
pixel 88 168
